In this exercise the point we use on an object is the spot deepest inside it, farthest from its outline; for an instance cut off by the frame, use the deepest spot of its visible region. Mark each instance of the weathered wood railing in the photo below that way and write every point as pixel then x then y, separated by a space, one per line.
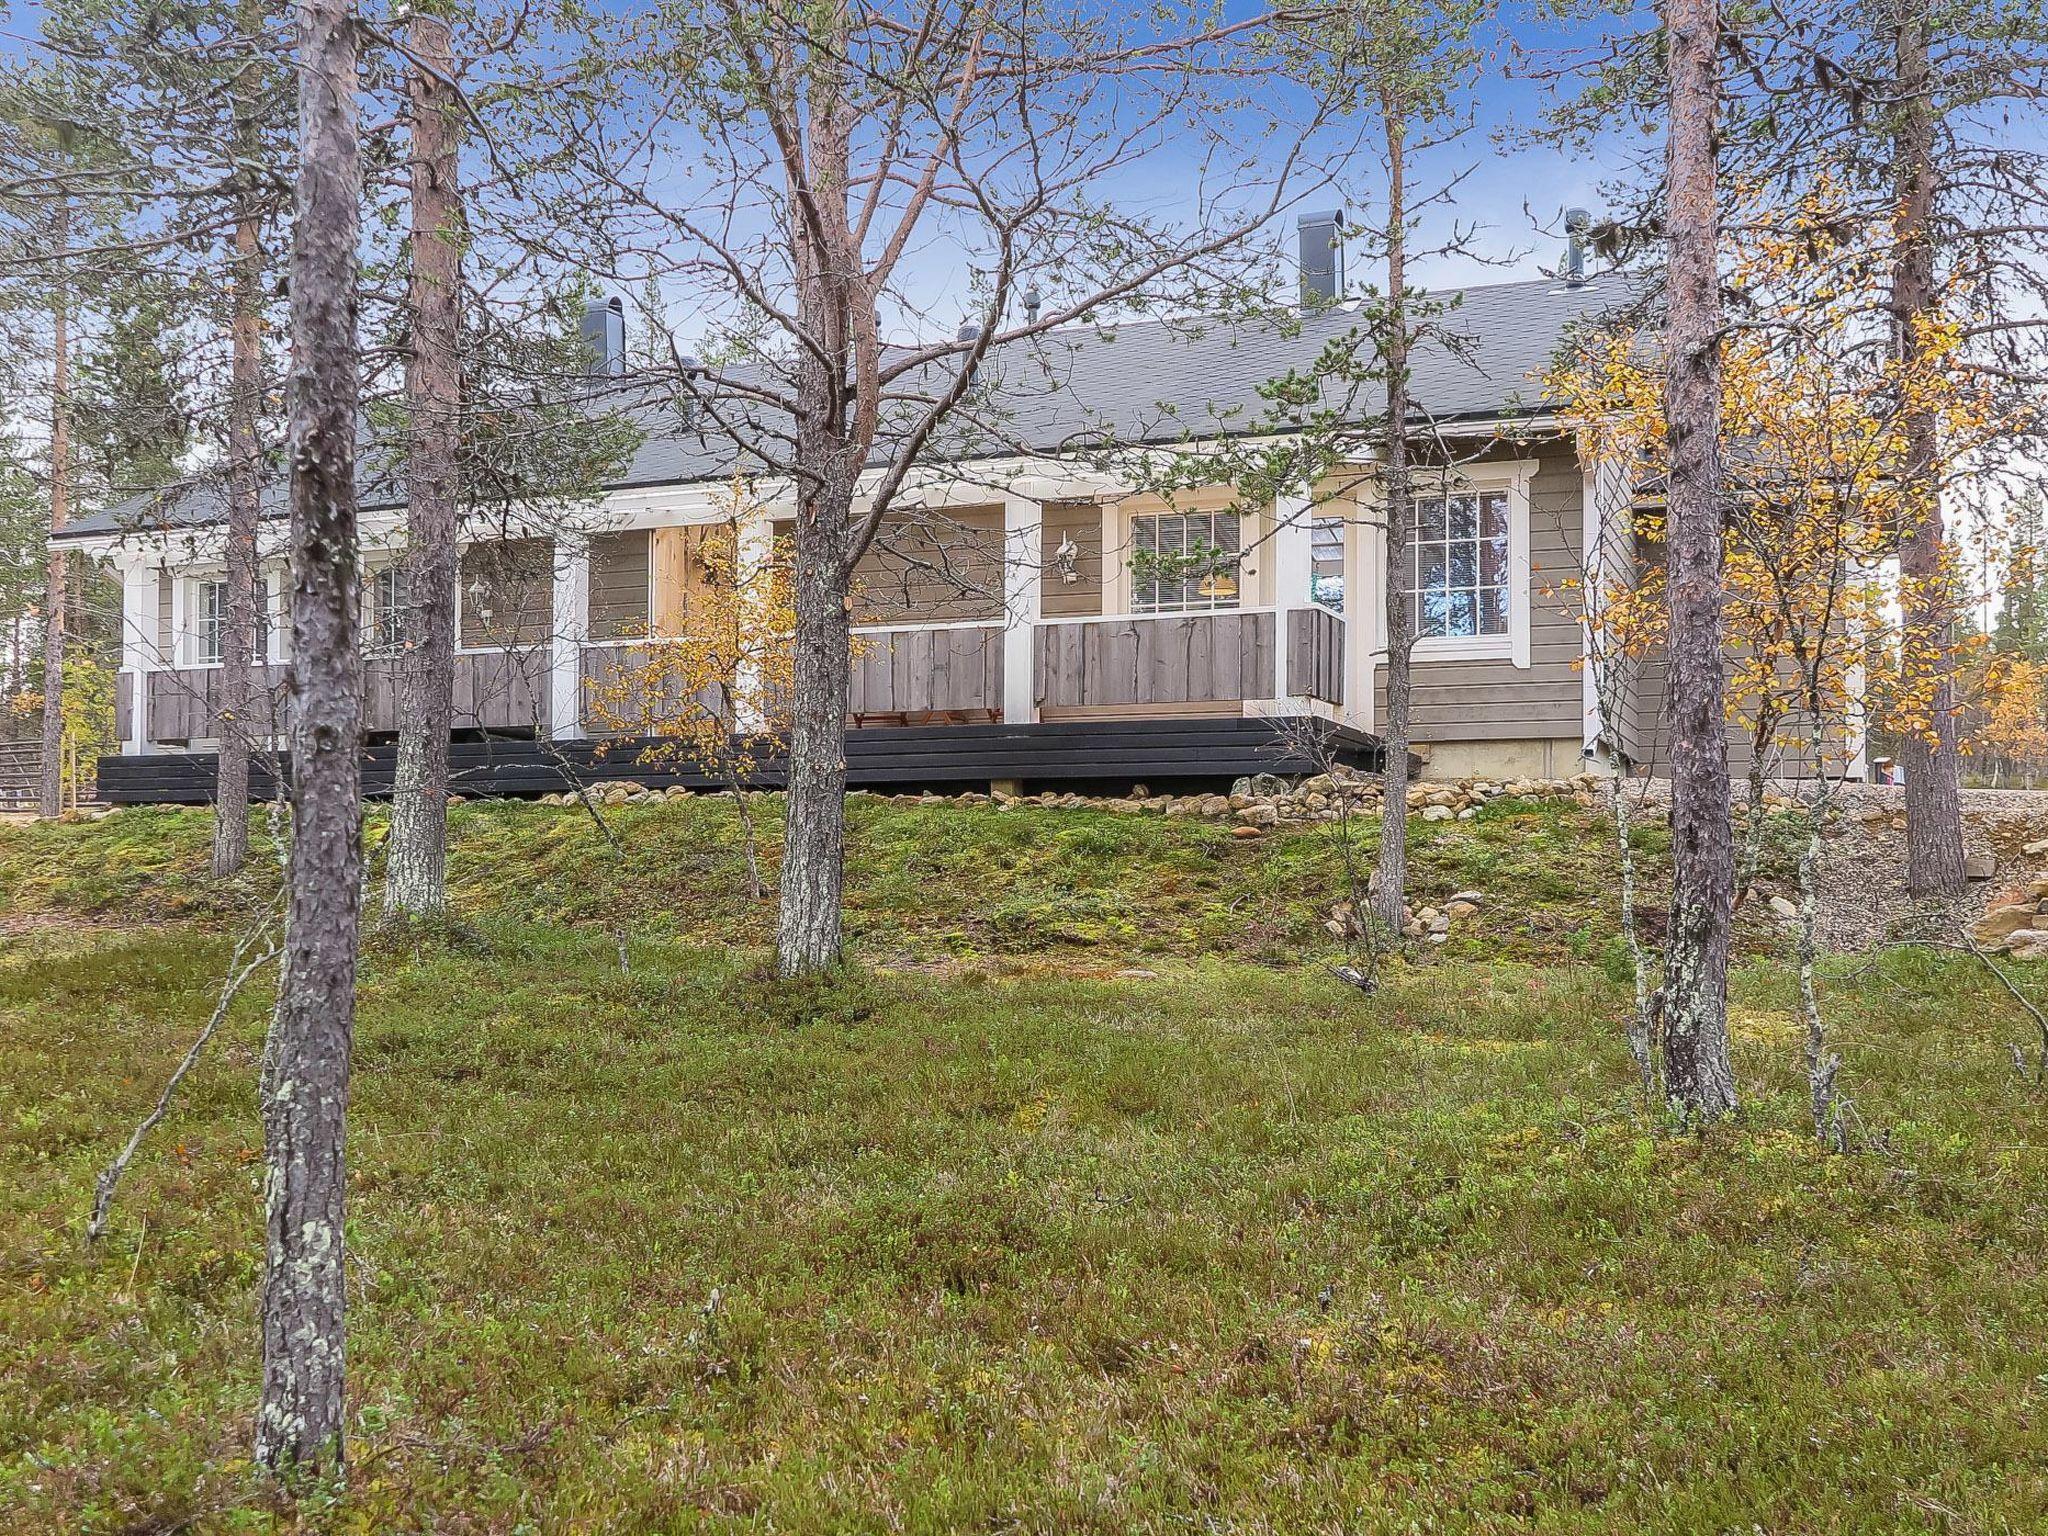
pixel 1155 661
pixel 950 669
pixel 494 690
pixel 1315 654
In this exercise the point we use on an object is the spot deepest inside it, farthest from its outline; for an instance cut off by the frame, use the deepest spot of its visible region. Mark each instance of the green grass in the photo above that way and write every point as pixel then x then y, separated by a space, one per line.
pixel 1014 1242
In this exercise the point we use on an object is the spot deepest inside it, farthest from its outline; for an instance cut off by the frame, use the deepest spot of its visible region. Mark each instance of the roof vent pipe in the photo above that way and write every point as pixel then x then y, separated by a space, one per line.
pixel 1321 237
pixel 970 333
pixel 1577 222
pixel 604 338
pixel 1033 302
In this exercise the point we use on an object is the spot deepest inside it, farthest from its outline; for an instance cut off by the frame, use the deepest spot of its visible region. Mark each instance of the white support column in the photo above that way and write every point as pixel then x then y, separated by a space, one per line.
pixel 753 548
pixel 1292 562
pixel 1365 600
pixel 571 625
pixel 138 648
pixel 1023 575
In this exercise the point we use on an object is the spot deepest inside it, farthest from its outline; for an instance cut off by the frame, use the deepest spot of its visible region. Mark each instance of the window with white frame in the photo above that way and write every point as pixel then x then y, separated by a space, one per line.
pixel 1184 562
pixel 209 621
pixel 1460 562
pixel 390 598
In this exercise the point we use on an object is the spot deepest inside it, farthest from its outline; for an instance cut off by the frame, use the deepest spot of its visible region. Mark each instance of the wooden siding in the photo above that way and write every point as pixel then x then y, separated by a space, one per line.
pixel 514 580
pixel 124 706
pixel 957 670
pixel 1080 521
pixel 1155 661
pixel 616 699
pixel 1210 752
pixel 936 568
pixel 1497 700
pixel 494 690
pixel 1315 654
pixel 618 585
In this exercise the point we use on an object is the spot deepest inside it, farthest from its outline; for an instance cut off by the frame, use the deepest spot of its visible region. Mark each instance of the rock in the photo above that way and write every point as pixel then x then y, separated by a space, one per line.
pixel 1471 898
pixel 2027 944
pixel 616 795
pixel 1455 908
pixel 1979 866
pixel 1246 832
pixel 1468 813
pixel 1783 908
pixel 1437 813
pixel 1140 792
pixel 2000 922
pixel 2035 850
pixel 1259 815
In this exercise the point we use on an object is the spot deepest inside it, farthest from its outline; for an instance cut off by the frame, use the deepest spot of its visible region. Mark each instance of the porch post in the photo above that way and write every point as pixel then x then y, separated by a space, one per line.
pixel 1293 565
pixel 753 548
pixel 1023 557
pixel 138 641
pixel 571 612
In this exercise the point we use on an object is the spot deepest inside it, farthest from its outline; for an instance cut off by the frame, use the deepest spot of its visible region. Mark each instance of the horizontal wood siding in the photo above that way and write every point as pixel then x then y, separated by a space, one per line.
pixel 1081 522
pixel 934 568
pixel 1155 661
pixel 1206 751
pixel 1497 700
pixel 508 592
pixel 618 585
pixel 1315 655
pixel 924 671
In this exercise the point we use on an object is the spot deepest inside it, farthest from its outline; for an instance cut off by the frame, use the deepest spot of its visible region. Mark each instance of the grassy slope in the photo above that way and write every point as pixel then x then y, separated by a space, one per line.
pixel 1019 1245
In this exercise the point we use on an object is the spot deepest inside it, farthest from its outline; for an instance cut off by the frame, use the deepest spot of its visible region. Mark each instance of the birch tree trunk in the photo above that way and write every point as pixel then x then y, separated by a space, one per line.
pixel 56 590
pixel 300 1417
pixel 239 714
pixel 416 868
pixel 1928 750
pixel 1698 1075
pixel 1390 871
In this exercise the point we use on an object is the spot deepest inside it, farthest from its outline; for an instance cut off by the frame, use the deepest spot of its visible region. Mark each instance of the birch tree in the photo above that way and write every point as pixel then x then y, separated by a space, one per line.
pixel 299 1420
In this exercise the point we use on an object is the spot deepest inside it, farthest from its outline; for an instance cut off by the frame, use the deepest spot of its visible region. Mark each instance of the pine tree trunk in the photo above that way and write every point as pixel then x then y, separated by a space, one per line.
pixel 240 716
pixel 814 845
pixel 1389 883
pixel 299 1420
pixel 56 591
pixel 1928 750
pixel 1698 1074
pixel 416 867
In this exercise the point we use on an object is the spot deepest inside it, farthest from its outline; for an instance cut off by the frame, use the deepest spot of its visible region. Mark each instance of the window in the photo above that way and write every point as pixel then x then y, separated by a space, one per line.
pixel 210 621
pixel 1458 566
pixel 1326 563
pixel 1184 562
pixel 390 598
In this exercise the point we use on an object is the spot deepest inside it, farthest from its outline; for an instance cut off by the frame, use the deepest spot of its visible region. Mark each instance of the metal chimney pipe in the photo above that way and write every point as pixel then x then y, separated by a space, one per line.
pixel 1576 224
pixel 604 337
pixel 1321 237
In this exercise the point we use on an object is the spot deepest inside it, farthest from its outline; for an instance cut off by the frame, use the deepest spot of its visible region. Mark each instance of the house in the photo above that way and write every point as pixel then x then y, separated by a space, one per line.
pixel 1039 620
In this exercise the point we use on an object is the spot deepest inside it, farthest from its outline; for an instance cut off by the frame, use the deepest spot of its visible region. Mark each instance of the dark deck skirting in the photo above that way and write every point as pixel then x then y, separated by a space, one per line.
pixel 1070 752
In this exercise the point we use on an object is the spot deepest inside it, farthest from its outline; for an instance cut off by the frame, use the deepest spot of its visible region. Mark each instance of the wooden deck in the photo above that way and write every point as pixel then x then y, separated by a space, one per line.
pixel 1160 753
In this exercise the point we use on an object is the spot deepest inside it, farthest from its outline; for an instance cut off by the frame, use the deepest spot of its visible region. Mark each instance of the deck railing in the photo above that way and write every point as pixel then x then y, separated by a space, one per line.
pixel 494 690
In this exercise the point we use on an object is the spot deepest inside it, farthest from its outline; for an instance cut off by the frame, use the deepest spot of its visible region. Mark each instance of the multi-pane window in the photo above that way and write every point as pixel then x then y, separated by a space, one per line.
pixel 1326 562
pixel 390 597
pixel 210 622
pixel 1458 562
pixel 1184 562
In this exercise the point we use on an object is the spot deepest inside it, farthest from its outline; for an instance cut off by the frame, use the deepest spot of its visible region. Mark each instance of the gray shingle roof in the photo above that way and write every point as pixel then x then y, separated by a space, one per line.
pixel 1147 382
